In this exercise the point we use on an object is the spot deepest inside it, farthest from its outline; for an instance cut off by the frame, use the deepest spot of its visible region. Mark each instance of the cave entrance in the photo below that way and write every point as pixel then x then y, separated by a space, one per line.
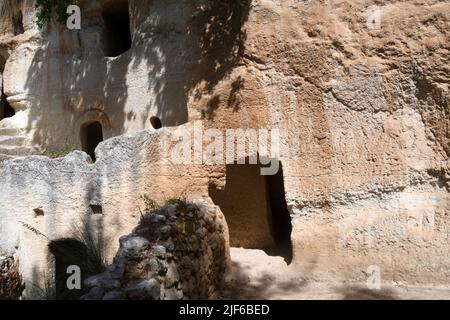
pixel 91 135
pixel 255 210
pixel 18 23
pixel 67 253
pixel 116 17
pixel 6 111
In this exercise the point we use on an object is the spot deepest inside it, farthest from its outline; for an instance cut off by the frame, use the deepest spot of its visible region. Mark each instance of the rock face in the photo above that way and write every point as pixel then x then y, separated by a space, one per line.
pixel 92 75
pixel 177 252
pixel 359 94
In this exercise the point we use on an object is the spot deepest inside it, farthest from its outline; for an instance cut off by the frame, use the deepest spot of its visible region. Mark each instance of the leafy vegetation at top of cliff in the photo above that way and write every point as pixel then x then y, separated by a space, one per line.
pixel 59 152
pixel 47 9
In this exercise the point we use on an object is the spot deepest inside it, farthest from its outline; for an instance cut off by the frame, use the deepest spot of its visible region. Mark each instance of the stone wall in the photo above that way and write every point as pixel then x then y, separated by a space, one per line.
pixel 57 197
pixel 177 252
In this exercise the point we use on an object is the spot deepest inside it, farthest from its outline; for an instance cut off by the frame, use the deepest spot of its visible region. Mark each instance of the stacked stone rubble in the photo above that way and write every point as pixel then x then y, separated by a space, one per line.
pixel 176 252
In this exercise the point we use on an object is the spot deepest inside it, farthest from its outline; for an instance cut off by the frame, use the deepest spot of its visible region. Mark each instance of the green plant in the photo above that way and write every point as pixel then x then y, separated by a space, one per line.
pixel 59 152
pixel 47 9
pixel 95 259
pixel 180 203
pixel 173 201
pixel 89 160
pixel 149 204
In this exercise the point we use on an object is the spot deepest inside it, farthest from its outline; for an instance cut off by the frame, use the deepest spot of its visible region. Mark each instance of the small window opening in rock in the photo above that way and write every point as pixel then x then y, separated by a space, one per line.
pixel 156 123
pixel 18 24
pixel 91 135
pixel 255 209
pixel 38 212
pixel 116 17
pixel 67 253
pixel 96 209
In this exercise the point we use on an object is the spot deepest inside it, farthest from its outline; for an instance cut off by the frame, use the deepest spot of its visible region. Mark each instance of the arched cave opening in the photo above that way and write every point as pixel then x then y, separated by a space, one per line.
pixel 18 23
pixel 255 210
pixel 116 17
pixel 156 123
pixel 67 253
pixel 91 135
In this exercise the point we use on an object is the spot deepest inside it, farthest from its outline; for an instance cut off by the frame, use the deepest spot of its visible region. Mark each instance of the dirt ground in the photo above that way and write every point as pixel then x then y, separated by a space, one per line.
pixel 255 275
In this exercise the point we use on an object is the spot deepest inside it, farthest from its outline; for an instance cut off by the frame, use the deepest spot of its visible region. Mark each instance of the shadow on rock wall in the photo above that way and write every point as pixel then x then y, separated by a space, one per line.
pixel 66 81
pixel 192 57
pixel 176 49
pixel 221 39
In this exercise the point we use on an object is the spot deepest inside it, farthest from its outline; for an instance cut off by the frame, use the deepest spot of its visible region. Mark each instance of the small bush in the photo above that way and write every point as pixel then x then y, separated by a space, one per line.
pixel 95 249
pixel 174 202
pixel 54 153
pixel 46 9
pixel 11 282
pixel 149 204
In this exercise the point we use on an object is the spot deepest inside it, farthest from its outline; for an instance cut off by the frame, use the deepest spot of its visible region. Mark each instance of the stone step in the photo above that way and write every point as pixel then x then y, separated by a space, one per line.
pixel 9 132
pixel 16 151
pixel 12 140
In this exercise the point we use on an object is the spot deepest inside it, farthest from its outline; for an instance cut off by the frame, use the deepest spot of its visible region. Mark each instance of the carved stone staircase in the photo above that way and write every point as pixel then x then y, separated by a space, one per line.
pixel 13 144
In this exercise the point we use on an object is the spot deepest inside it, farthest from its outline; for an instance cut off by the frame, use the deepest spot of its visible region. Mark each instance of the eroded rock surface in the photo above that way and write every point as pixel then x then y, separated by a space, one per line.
pixel 363 114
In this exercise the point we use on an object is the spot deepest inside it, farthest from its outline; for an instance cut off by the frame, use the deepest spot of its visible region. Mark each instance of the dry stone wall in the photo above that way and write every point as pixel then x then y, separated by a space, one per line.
pixel 177 252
